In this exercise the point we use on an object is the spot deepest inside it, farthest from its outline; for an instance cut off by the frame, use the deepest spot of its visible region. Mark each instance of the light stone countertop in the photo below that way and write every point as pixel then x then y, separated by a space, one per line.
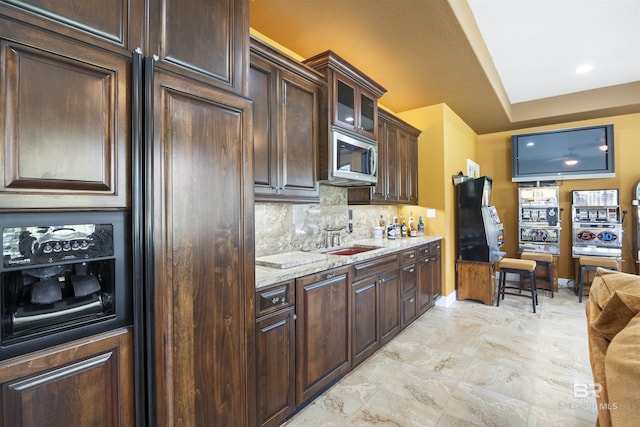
pixel 266 276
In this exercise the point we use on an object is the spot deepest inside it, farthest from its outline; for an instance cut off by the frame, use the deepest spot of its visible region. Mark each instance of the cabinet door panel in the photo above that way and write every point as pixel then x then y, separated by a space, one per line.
pixel 113 24
pixel 393 164
pixel 66 126
pixel 425 284
pixel 207 40
pixel 403 167
pixel 389 305
pixel 85 383
pixel 105 18
pixel 202 203
pixel 299 138
pixel 322 331
pixel 364 312
pixel 275 344
pixel 262 86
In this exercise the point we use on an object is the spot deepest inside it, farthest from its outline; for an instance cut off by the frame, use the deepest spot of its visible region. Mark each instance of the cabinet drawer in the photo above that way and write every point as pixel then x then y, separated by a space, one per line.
pixel 409 309
pixel 408 256
pixel 409 278
pixel 274 297
pixel 424 251
pixel 436 248
pixel 375 266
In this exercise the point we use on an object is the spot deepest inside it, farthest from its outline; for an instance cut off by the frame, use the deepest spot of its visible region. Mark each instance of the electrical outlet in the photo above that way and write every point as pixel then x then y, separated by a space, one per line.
pixel 431 213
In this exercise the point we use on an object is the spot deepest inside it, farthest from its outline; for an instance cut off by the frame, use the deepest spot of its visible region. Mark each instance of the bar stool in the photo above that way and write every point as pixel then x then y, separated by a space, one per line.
pixel 523 268
pixel 591 263
pixel 545 260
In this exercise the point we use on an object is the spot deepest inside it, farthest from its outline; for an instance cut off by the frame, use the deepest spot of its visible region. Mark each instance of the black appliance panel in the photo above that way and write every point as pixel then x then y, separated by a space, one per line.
pixel 64 276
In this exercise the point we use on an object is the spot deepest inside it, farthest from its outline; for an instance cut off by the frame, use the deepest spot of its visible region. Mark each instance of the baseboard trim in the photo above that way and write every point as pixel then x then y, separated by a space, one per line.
pixel 447 301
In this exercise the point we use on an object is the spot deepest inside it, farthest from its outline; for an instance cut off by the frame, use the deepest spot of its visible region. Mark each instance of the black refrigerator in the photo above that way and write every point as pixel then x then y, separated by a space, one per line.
pixel 479 232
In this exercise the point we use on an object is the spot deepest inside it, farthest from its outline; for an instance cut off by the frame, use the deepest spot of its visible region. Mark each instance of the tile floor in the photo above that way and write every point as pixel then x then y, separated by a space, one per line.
pixel 471 364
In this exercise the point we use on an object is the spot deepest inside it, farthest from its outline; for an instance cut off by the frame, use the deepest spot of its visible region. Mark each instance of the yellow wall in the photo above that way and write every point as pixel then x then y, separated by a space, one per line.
pixel 495 160
pixel 444 146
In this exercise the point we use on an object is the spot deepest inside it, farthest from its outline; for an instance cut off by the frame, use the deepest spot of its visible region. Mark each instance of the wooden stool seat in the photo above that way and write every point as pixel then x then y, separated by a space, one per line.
pixel 597 261
pixel 537 256
pixel 592 263
pixel 545 260
pixel 523 268
pixel 516 264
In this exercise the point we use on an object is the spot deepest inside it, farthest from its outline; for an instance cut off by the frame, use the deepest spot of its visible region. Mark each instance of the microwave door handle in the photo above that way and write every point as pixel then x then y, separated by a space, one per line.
pixel 373 160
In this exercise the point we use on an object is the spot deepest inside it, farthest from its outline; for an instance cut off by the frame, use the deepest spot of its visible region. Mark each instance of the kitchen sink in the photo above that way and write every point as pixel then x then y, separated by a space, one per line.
pixel 352 250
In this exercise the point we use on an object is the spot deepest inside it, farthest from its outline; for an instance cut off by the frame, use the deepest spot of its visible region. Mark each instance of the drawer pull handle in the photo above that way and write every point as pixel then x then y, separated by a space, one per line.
pixel 330 276
pixel 411 271
pixel 412 300
pixel 412 256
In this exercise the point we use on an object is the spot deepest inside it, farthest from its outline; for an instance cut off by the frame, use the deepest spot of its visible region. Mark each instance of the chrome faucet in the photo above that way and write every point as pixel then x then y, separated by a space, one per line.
pixel 333 237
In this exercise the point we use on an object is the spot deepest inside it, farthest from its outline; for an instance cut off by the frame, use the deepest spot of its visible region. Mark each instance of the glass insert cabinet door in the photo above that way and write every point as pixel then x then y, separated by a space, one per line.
pixel 346 113
pixel 367 113
pixel 355 109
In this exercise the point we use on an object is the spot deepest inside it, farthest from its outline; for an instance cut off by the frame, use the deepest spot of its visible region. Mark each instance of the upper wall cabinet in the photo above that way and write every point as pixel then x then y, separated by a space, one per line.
pixel 397 165
pixel 286 97
pixel 115 25
pixel 204 40
pixel 66 117
pixel 352 97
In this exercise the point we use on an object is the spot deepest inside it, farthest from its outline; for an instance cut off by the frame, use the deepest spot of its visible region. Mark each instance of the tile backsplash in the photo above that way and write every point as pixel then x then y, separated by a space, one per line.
pixel 286 227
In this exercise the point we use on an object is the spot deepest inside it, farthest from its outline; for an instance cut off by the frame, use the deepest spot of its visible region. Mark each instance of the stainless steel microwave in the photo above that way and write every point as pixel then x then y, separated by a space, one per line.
pixel 354 159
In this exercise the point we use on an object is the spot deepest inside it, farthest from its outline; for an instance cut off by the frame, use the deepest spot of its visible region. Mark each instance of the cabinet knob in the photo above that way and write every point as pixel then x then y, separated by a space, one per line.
pixel 293 316
pixel 411 271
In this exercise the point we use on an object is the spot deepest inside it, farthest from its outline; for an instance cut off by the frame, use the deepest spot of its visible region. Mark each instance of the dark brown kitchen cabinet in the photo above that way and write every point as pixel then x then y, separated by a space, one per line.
pixel 436 272
pixel 375 305
pixel 408 286
pixel 397 165
pixel 352 97
pixel 66 115
pixel 425 278
pixel 390 309
pixel 365 315
pixel 203 276
pixel 275 353
pixel 286 97
pixel 88 382
pixel 323 331
pixel 202 39
pixel 115 25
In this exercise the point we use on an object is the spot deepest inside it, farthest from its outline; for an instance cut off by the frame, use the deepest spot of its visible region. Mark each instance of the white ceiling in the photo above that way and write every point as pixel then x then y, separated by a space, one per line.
pixel 498 64
pixel 537 45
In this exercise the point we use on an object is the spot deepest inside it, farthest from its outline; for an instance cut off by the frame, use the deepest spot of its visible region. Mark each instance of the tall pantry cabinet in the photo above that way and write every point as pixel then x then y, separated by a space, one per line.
pixel 165 133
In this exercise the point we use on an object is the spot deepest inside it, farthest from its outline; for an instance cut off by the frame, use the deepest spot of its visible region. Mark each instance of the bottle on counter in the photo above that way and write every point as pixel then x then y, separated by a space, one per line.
pixel 413 230
pixel 391 229
pixel 420 226
pixel 403 226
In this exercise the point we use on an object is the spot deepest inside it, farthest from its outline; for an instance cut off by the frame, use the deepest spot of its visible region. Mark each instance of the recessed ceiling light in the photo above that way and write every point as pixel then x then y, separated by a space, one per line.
pixel 584 68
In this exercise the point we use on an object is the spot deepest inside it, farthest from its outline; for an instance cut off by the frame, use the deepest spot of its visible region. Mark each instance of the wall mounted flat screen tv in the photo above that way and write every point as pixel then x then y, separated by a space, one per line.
pixel 577 153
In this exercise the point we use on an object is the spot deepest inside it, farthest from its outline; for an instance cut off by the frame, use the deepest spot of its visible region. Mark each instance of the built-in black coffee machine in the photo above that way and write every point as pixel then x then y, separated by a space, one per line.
pixel 64 276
